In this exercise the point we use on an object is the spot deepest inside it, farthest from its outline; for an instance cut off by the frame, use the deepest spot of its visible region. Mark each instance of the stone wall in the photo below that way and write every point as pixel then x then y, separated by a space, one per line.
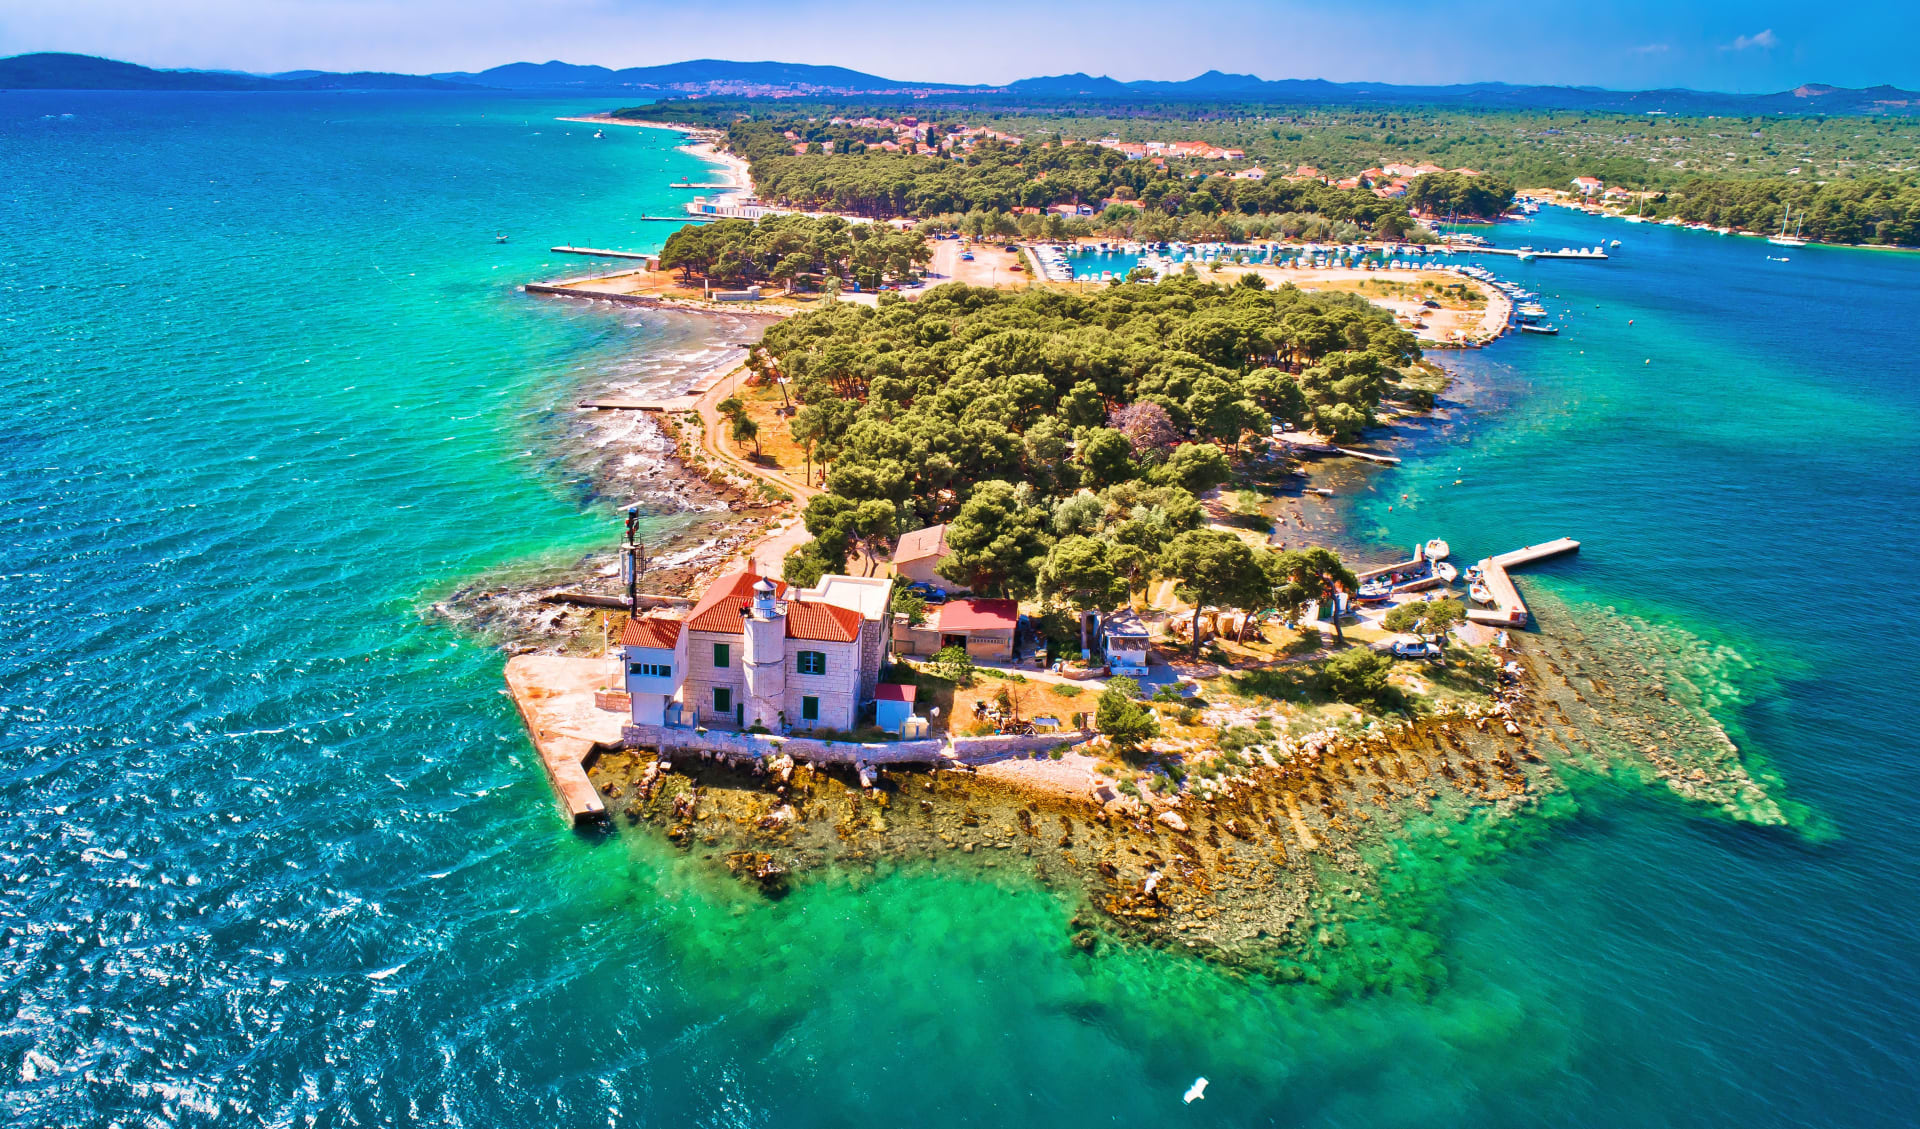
pixel 815 751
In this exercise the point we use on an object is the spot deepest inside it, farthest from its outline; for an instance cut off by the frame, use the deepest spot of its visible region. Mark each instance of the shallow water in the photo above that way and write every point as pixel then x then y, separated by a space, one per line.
pixel 278 849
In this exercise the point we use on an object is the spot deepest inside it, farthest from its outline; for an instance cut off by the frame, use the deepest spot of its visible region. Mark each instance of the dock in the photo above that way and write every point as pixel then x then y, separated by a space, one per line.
pixel 681 219
pixel 602 253
pixel 1509 610
pixel 1594 254
pixel 714 187
pixel 670 404
pixel 561 701
pixel 1385 460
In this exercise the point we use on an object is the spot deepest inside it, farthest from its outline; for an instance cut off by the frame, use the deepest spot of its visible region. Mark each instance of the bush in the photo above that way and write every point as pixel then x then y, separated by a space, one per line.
pixel 1356 674
pixel 1125 721
pixel 955 665
pixel 1236 738
pixel 1062 690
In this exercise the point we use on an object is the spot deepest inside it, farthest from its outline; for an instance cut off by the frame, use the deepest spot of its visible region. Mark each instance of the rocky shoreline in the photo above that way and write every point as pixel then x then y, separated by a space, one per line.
pixel 696 515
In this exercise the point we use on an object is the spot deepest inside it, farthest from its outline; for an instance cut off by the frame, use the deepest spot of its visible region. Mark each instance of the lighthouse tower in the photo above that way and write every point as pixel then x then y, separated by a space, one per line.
pixel 765 661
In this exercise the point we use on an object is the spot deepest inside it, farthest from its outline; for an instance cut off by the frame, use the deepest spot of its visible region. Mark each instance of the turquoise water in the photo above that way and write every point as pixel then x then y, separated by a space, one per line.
pixel 277 851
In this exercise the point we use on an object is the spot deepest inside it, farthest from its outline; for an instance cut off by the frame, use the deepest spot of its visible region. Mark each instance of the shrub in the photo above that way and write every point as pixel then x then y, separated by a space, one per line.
pixel 1062 690
pixel 955 665
pixel 1356 674
pixel 1125 721
pixel 1236 738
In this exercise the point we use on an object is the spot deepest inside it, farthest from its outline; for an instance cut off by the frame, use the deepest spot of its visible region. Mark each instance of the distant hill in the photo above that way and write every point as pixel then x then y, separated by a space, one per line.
pixel 696 74
pixel 1214 85
pixel 55 71
pixel 722 77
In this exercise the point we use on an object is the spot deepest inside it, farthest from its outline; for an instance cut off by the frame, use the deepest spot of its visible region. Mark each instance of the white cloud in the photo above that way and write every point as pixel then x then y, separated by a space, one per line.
pixel 1765 40
pixel 1652 49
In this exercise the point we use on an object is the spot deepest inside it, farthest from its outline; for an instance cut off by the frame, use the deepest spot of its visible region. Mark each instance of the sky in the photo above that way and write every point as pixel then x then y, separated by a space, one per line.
pixel 1733 45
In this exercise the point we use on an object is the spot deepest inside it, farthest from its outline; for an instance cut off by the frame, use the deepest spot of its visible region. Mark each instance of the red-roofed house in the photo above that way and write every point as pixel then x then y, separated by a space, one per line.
pixel 1588 185
pixel 754 651
pixel 918 555
pixel 984 627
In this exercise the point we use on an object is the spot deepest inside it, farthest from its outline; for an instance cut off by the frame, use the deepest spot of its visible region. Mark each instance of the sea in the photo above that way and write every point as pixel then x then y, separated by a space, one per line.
pixel 277 851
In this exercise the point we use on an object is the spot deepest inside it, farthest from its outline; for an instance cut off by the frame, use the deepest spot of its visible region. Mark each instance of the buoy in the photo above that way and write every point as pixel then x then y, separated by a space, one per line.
pixel 1196 1091
pixel 1648 361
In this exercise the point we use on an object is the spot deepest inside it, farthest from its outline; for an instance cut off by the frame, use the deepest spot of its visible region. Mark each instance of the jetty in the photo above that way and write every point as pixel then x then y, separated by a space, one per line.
pixel 717 187
pixel 1587 253
pixel 1385 460
pixel 602 253
pixel 572 720
pixel 1509 610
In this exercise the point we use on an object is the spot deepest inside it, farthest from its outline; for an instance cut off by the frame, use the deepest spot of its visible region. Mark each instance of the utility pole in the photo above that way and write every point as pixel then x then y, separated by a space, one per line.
pixel 633 560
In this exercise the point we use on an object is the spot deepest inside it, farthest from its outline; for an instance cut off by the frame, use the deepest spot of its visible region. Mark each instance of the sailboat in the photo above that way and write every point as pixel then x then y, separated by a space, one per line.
pixel 1785 240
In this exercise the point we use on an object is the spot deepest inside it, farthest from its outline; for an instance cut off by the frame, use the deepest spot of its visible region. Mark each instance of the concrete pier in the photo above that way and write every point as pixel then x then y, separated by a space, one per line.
pixel 1509 610
pixel 602 253
pixel 557 700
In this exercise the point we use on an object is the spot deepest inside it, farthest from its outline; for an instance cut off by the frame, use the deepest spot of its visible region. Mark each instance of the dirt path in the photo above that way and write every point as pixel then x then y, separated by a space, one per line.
pixel 771 552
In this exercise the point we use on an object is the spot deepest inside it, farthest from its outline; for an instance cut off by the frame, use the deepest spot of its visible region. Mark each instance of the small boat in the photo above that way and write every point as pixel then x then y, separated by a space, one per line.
pixel 1446 572
pixel 1778 259
pixel 1530 327
pixel 599 134
pixel 1375 590
pixel 1437 550
pixel 1480 593
pixel 499 239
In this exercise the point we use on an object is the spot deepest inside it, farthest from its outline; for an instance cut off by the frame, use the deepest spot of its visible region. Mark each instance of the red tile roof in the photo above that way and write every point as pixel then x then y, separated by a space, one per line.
pixel 660 634
pixel 893 692
pixel 719 609
pixel 921 543
pixel 825 622
pixel 975 614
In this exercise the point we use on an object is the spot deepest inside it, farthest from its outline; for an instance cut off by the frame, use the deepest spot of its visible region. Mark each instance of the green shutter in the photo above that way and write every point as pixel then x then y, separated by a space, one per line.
pixel 810 709
pixel 722 699
pixel 721 655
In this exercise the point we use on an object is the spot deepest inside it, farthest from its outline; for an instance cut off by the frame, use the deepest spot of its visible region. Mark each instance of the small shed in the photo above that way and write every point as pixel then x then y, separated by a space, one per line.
pixel 918 555
pixel 984 628
pixel 892 705
pixel 1124 639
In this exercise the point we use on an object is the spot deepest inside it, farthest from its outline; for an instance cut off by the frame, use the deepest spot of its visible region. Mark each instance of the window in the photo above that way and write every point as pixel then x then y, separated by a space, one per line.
pixel 813 662
pixel 650 670
pixel 722 699
pixel 809 709
pixel 722 653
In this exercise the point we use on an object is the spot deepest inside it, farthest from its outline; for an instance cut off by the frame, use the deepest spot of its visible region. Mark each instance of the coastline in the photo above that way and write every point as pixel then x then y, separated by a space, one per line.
pixel 1165 872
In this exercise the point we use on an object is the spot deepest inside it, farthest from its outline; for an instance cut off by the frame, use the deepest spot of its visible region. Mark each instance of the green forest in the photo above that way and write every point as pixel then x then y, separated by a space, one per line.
pixel 795 250
pixel 1840 211
pixel 1036 422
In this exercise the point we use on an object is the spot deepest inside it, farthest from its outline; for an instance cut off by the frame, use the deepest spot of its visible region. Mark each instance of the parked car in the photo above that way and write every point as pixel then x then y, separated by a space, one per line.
pixel 927 592
pixel 1417 649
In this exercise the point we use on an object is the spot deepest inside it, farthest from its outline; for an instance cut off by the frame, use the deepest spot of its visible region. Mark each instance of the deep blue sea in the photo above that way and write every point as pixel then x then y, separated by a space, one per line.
pixel 276 850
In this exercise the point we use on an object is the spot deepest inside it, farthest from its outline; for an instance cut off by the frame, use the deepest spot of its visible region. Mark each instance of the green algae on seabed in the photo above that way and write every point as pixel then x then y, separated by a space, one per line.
pixel 1618 692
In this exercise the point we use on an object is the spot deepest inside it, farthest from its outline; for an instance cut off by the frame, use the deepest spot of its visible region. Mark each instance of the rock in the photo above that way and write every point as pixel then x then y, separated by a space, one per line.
pixel 1172 819
pixel 1085 940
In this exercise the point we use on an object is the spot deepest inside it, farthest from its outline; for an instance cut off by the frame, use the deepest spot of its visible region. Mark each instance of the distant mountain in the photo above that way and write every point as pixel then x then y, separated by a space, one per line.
pixel 721 77
pixel 54 71
pixel 1074 85
pixel 1215 85
pixel 701 75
